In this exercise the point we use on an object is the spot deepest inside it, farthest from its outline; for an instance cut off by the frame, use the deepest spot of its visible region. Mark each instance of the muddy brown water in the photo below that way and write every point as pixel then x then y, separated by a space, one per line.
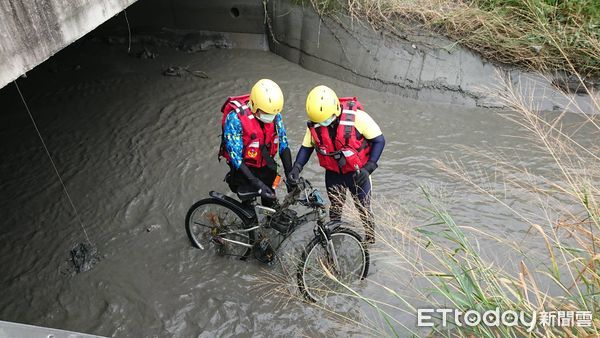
pixel 136 149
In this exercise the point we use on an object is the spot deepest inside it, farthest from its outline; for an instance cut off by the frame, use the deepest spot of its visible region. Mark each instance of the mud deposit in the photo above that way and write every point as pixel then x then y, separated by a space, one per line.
pixel 137 148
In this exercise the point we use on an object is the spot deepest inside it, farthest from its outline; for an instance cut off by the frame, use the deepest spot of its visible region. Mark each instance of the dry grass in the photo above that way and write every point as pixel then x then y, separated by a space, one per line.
pixel 529 33
pixel 429 260
pixel 426 259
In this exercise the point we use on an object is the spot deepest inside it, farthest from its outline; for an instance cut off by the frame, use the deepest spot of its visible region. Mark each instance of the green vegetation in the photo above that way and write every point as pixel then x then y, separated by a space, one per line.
pixel 535 34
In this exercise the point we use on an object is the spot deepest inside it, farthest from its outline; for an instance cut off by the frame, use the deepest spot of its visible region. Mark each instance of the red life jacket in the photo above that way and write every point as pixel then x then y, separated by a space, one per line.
pixel 260 139
pixel 348 152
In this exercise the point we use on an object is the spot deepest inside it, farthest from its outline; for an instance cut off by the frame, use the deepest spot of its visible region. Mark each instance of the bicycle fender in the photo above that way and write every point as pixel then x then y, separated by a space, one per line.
pixel 232 203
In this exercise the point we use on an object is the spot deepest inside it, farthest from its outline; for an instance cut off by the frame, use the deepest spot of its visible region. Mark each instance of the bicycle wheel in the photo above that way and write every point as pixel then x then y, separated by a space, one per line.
pixel 210 224
pixel 318 276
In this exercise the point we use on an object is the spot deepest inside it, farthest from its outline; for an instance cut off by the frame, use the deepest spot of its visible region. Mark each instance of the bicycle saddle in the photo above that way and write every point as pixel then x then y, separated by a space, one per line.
pixel 247 193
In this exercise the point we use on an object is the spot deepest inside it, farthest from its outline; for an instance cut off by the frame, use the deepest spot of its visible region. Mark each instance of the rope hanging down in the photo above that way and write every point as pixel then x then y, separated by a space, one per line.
pixel 128 33
pixel 53 165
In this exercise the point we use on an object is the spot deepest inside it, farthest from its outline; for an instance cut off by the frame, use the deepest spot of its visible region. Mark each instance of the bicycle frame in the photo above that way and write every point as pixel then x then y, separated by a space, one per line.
pixel 263 214
pixel 232 236
pixel 238 232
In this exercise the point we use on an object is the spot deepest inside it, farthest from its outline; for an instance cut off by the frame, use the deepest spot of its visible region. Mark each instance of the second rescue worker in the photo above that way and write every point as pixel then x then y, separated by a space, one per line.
pixel 348 144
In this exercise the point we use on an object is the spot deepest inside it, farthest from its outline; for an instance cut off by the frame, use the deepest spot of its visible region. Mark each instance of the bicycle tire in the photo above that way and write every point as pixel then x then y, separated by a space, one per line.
pixel 338 236
pixel 242 223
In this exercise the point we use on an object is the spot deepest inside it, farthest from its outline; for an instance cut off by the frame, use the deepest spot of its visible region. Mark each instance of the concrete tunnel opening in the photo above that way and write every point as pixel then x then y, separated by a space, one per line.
pixel 144 25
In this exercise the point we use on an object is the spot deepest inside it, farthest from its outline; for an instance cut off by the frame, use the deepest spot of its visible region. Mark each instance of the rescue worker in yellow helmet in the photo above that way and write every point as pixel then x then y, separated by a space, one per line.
pixel 253 133
pixel 348 143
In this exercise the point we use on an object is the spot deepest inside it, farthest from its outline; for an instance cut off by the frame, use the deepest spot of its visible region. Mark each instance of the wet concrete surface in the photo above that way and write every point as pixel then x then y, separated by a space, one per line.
pixel 32 32
pixel 136 149
pixel 411 62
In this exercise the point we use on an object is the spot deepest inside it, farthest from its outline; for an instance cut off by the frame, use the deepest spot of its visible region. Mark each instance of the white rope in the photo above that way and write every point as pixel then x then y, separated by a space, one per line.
pixel 128 31
pixel 53 164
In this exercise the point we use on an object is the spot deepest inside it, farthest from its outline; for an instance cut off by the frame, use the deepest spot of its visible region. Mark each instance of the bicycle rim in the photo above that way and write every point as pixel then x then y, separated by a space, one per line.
pixel 210 225
pixel 320 278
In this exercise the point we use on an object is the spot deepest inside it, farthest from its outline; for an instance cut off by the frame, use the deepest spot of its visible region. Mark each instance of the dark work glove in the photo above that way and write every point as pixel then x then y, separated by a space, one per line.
pixel 266 191
pixel 293 176
pixel 361 176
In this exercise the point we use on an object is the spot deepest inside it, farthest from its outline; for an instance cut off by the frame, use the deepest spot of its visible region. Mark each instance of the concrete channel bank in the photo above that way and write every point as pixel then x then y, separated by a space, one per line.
pixel 424 66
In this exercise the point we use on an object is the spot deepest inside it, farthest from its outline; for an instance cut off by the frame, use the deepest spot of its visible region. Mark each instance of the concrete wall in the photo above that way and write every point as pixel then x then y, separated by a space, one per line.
pixel 230 23
pixel 418 65
pixel 9 329
pixel 421 65
pixel 238 16
pixel 32 31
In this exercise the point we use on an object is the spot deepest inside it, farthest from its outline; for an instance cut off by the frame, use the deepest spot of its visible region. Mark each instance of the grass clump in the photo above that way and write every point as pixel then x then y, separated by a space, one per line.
pixel 534 34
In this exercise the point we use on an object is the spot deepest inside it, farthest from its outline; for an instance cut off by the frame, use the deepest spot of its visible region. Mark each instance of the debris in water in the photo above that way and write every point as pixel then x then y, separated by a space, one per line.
pixel 173 71
pixel 147 54
pixel 84 257
pixel 153 227
pixel 200 41
pixel 181 71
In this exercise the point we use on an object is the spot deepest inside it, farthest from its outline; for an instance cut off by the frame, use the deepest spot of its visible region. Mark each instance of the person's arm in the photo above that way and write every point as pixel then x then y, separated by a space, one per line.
pixel 302 158
pixel 305 150
pixel 281 133
pixel 232 134
pixel 370 130
pixel 284 151
pixel 377 145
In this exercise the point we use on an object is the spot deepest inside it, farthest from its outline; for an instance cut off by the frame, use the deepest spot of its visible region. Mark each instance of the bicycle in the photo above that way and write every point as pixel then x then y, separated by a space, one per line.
pixel 234 228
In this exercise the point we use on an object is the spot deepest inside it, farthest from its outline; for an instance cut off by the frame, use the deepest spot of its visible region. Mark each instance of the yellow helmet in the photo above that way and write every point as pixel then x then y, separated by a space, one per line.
pixel 266 96
pixel 321 104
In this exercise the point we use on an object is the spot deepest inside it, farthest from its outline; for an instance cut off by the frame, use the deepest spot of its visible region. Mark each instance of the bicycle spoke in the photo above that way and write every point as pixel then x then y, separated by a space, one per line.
pixel 210 221
pixel 202 224
pixel 321 276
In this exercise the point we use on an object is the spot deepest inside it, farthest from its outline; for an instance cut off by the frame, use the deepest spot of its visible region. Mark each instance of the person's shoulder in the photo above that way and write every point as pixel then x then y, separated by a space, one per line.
pixel 366 124
pixel 232 113
pixel 232 117
pixel 361 114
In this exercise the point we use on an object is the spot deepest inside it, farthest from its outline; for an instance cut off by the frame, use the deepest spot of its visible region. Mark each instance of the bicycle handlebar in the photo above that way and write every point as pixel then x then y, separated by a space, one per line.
pixel 292 197
pixel 312 198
